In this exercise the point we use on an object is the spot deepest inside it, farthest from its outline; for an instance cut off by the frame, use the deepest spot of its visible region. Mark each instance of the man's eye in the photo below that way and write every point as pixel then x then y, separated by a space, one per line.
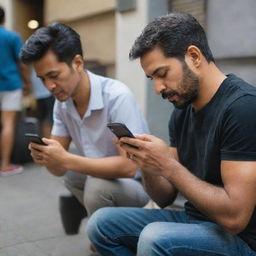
pixel 54 77
pixel 162 75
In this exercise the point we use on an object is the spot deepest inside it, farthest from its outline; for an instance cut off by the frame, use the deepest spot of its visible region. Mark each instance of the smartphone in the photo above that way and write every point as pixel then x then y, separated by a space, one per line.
pixel 35 138
pixel 121 130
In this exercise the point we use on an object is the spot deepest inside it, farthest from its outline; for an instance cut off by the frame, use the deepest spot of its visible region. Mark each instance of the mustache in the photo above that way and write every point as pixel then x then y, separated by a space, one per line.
pixel 165 95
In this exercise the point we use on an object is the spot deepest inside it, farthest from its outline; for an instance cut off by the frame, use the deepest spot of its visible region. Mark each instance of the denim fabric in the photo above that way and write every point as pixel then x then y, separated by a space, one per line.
pixel 148 232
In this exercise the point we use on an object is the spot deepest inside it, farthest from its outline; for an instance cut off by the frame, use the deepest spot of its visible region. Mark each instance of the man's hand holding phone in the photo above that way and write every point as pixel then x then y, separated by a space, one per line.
pixel 147 151
pixel 120 130
pixel 48 152
pixel 153 155
pixel 35 146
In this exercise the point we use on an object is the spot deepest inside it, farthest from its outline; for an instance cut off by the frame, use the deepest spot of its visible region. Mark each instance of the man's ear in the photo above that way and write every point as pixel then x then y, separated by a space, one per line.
pixel 194 55
pixel 78 63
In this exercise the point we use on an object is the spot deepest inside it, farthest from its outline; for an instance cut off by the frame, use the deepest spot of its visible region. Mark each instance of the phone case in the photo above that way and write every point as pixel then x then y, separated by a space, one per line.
pixel 35 138
pixel 120 130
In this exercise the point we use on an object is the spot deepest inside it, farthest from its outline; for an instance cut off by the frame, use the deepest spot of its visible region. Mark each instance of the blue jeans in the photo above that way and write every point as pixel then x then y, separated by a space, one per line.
pixel 147 232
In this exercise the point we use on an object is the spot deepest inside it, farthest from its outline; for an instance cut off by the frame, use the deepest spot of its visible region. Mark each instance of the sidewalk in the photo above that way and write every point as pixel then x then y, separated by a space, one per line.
pixel 29 218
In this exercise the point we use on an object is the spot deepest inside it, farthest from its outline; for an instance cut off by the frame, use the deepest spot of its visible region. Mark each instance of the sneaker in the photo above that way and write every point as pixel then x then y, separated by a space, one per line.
pixel 11 170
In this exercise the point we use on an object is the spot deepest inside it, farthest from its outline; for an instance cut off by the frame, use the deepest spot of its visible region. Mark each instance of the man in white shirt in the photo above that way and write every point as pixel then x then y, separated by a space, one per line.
pixel 101 174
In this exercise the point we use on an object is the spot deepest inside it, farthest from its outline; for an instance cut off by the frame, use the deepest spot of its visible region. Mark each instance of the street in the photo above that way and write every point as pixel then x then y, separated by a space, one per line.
pixel 29 221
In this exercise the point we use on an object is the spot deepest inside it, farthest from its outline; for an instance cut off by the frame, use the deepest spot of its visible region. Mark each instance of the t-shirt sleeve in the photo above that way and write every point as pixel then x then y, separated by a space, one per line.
pixel 238 133
pixel 17 44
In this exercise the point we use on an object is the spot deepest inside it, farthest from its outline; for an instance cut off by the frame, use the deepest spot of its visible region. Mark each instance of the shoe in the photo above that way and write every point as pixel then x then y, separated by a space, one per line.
pixel 11 170
pixel 72 212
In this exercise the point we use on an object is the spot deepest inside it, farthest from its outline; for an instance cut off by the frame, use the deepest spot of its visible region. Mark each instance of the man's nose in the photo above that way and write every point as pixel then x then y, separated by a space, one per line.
pixel 159 86
pixel 50 85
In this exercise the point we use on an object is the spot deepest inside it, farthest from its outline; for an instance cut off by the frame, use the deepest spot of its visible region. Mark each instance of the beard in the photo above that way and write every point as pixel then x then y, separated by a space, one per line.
pixel 190 86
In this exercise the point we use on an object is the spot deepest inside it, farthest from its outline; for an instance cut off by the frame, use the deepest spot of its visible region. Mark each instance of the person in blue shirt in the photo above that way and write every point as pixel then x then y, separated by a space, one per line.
pixel 99 174
pixel 12 76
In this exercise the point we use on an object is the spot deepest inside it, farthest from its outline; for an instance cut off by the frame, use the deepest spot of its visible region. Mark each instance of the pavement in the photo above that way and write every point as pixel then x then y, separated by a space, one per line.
pixel 30 223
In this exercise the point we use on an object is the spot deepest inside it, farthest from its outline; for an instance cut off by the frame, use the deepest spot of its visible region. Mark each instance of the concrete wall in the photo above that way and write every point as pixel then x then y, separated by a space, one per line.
pixel 158 110
pixel 7 5
pixel 66 10
pixel 94 20
pixel 98 37
pixel 232 36
pixel 128 27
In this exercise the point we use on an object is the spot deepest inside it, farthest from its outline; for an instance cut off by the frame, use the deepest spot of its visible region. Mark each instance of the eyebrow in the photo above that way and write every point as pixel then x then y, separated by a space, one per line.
pixel 49 73
pixel 155 71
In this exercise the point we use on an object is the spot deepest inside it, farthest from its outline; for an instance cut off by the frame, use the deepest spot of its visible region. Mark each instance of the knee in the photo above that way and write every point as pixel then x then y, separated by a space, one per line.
pixel 74 180
pixel 152 239
pixel 150 234
pixel 98 221
pixel 98 191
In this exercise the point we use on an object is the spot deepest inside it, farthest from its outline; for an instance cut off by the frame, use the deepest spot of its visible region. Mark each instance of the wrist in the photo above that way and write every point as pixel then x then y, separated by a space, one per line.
pixel 171 169
pixel 67 161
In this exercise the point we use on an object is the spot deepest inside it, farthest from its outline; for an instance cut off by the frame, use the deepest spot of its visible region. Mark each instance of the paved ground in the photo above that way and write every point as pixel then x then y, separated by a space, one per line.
pixel 30 224
pixel 29 218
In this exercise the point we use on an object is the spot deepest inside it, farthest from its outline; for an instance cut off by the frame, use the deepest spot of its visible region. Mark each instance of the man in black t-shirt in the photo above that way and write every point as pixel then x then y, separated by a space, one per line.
pixel 211 159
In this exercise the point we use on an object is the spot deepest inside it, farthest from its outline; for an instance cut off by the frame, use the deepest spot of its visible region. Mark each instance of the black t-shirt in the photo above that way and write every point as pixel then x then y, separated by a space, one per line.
pixel 225 129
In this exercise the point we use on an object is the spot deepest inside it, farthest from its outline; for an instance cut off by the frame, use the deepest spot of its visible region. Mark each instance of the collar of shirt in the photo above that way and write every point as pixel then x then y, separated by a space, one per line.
pixel 96 97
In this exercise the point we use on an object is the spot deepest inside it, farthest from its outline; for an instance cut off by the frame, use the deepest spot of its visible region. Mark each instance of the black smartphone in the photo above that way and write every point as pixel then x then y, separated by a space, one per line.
pixel 121 130
pixel 35 138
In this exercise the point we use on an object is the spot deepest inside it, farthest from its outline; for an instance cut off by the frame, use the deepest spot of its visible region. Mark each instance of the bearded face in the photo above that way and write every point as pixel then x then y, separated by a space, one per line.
pixel 187 91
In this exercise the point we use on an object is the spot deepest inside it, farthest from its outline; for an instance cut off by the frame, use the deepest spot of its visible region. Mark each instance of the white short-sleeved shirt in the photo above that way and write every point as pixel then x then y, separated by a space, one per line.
pixel 110 101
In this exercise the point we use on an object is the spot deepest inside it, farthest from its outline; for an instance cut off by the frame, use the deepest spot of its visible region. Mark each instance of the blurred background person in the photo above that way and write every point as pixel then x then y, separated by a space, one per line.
pixel 44 103
pixel 12 75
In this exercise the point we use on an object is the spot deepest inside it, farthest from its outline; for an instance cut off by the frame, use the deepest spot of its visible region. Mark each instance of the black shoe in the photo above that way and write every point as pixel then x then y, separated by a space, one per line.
pixel 72 212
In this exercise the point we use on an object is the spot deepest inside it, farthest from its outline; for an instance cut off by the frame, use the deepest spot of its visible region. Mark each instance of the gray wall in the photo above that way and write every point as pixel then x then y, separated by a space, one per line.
pixel 158 110
pixel 231 29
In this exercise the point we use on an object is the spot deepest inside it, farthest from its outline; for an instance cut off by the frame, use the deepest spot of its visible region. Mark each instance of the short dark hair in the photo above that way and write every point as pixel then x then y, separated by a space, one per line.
pixel 173 34
pixel 62 40
pixel 2 15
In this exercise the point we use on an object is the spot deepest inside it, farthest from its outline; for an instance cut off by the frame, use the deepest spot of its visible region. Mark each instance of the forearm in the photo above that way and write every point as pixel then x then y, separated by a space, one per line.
pixel 159 189
pixel 211 200
pixel 107 167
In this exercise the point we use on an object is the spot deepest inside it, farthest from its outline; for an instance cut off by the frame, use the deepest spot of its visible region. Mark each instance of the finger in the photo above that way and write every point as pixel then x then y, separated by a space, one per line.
pixel 145 137
pixel 37 146
pixel 129 149
pixel 133 158
pixel 48 141
pixel 136 142
pixel 130 156
pixel 35 158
